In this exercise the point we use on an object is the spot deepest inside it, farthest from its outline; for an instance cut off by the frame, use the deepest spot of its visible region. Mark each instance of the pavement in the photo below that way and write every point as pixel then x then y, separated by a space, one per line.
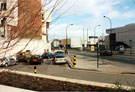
pixel 4 88
pixel 105 66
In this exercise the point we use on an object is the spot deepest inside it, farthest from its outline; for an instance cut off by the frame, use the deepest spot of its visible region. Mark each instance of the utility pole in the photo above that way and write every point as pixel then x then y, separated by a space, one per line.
pixel 83 38
pixel 87 34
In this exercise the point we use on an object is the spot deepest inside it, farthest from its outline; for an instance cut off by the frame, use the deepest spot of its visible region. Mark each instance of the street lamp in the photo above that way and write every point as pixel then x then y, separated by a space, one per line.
pixel 66 33
pixel 94 31
pixel 110 29
pixel 109 20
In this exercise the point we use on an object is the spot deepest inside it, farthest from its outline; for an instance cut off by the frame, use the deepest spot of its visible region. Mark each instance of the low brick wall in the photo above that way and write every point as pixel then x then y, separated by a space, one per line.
pixel 42 84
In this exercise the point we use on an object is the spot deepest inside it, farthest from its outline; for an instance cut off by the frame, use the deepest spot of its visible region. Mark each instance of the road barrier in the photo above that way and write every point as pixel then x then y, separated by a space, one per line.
pixel 74 63
pixel 35 69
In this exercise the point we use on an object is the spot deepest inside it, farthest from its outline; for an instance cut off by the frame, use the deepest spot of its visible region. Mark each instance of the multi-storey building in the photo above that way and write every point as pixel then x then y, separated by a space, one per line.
pixel 8 17
pixel 24 19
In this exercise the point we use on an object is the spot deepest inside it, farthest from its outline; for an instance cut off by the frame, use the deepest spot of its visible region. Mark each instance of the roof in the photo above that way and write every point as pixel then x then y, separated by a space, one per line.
pixel 129 27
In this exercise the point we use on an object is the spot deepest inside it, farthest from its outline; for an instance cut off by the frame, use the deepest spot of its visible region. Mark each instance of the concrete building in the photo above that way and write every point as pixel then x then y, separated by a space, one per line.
pixel 46 20
pixel 122 36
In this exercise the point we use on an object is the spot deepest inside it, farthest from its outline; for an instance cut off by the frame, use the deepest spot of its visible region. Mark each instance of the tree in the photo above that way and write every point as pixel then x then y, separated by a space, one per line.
pixel 20 20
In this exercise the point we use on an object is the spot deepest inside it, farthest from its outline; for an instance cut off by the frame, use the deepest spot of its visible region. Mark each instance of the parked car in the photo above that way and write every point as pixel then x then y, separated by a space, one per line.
pixel 60 59
pixel 47 55
pixel 7 61
pixel 106 53
pixel 35 59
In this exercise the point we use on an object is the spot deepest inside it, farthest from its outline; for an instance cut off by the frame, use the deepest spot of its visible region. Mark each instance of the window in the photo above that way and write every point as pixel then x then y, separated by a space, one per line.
pixel 3 6
pixel 43 17
pixel 3 21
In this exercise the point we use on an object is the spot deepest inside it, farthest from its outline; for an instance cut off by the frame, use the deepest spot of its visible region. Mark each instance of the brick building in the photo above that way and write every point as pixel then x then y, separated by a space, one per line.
pixel 26 23
pixel 30 18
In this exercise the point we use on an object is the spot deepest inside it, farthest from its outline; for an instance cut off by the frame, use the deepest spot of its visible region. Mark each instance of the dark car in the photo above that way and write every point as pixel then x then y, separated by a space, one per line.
pixel 47 55
pixel 35 59
pixel 106 53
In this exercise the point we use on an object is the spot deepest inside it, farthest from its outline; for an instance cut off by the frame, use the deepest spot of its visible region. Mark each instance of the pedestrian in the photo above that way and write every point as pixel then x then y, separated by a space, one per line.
pixel 66 52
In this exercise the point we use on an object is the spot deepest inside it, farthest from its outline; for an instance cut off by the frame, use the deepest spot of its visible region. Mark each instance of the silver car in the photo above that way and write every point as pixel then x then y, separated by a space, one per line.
pixel 60 59
pixel 7 61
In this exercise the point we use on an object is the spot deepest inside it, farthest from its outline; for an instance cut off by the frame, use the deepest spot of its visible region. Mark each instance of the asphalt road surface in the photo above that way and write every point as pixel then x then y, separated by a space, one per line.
pixel 114 58
pixel 62 70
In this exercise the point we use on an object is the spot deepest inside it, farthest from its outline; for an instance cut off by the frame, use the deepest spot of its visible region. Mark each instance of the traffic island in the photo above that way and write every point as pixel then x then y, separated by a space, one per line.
pixel 70 62
pixel 39 82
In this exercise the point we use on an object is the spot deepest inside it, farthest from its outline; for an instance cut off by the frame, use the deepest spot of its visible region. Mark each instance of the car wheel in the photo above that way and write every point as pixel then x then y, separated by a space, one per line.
pixel 40 62
pixel 6 65
pixel 15 63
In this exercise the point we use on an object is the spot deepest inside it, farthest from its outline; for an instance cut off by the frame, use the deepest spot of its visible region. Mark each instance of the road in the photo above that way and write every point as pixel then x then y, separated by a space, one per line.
pixel 115 58
pixel 48 68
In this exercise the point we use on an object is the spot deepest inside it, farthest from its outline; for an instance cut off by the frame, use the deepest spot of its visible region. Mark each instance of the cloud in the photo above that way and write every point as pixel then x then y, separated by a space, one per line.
pixel 94 10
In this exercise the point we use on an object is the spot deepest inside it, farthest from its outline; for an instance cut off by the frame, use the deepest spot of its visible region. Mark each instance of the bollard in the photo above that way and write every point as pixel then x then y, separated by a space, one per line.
pixel 35 69
pixel 74 61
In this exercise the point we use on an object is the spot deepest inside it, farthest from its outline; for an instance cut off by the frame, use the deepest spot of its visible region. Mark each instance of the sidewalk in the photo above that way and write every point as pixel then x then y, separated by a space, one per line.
pixel 88 63
pixel 4 88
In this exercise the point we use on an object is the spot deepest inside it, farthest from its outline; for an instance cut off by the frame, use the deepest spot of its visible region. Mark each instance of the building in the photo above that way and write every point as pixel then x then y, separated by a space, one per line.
pixel 73 43
pixel 92 42
pixel 30 18
pixel 46 20
pixel 8 17
pixel 27 24
pixel 121 36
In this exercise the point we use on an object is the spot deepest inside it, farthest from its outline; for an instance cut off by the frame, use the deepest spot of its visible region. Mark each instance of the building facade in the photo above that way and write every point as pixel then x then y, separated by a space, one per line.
pixel 30 18
pixel 26 24
pixel 122 36
pixel 8 17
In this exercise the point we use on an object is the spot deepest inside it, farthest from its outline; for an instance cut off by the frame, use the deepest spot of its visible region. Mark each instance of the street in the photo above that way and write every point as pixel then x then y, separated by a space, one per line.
pixel 62 70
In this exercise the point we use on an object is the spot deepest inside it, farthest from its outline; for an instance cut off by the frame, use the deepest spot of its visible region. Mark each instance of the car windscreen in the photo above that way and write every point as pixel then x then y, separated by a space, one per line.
pixel 50 54
pixel 11 59
pixel 35 57
pixel 60 56
pixel 59 52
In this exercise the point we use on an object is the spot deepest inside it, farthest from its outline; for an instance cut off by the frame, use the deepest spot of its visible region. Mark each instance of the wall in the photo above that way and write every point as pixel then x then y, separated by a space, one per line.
pixel 30 18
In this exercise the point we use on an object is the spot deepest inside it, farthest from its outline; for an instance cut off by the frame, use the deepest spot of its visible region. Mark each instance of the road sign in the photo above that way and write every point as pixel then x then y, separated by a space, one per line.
pixel 92 48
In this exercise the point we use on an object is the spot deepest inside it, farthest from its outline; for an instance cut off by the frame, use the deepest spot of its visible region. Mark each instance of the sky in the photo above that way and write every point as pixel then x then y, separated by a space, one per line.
pixel 87 14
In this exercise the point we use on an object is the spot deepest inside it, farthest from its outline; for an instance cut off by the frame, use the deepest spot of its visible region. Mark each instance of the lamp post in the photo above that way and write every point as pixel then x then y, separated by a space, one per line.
pixel 110 21
pixel 111 30
pixel 97 45
pixel 95 30
pixel 66 34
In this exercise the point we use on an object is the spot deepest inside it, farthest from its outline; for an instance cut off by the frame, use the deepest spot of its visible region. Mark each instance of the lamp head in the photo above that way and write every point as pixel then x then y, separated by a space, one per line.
pixel 104 16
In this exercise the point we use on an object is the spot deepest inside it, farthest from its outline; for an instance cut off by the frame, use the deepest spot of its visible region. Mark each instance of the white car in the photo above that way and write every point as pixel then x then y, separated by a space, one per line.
pixel 7 61
pixel 60 59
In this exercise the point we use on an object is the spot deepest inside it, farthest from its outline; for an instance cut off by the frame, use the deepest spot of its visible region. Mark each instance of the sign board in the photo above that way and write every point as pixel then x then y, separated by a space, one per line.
pixel 92 48
pixel 64 42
